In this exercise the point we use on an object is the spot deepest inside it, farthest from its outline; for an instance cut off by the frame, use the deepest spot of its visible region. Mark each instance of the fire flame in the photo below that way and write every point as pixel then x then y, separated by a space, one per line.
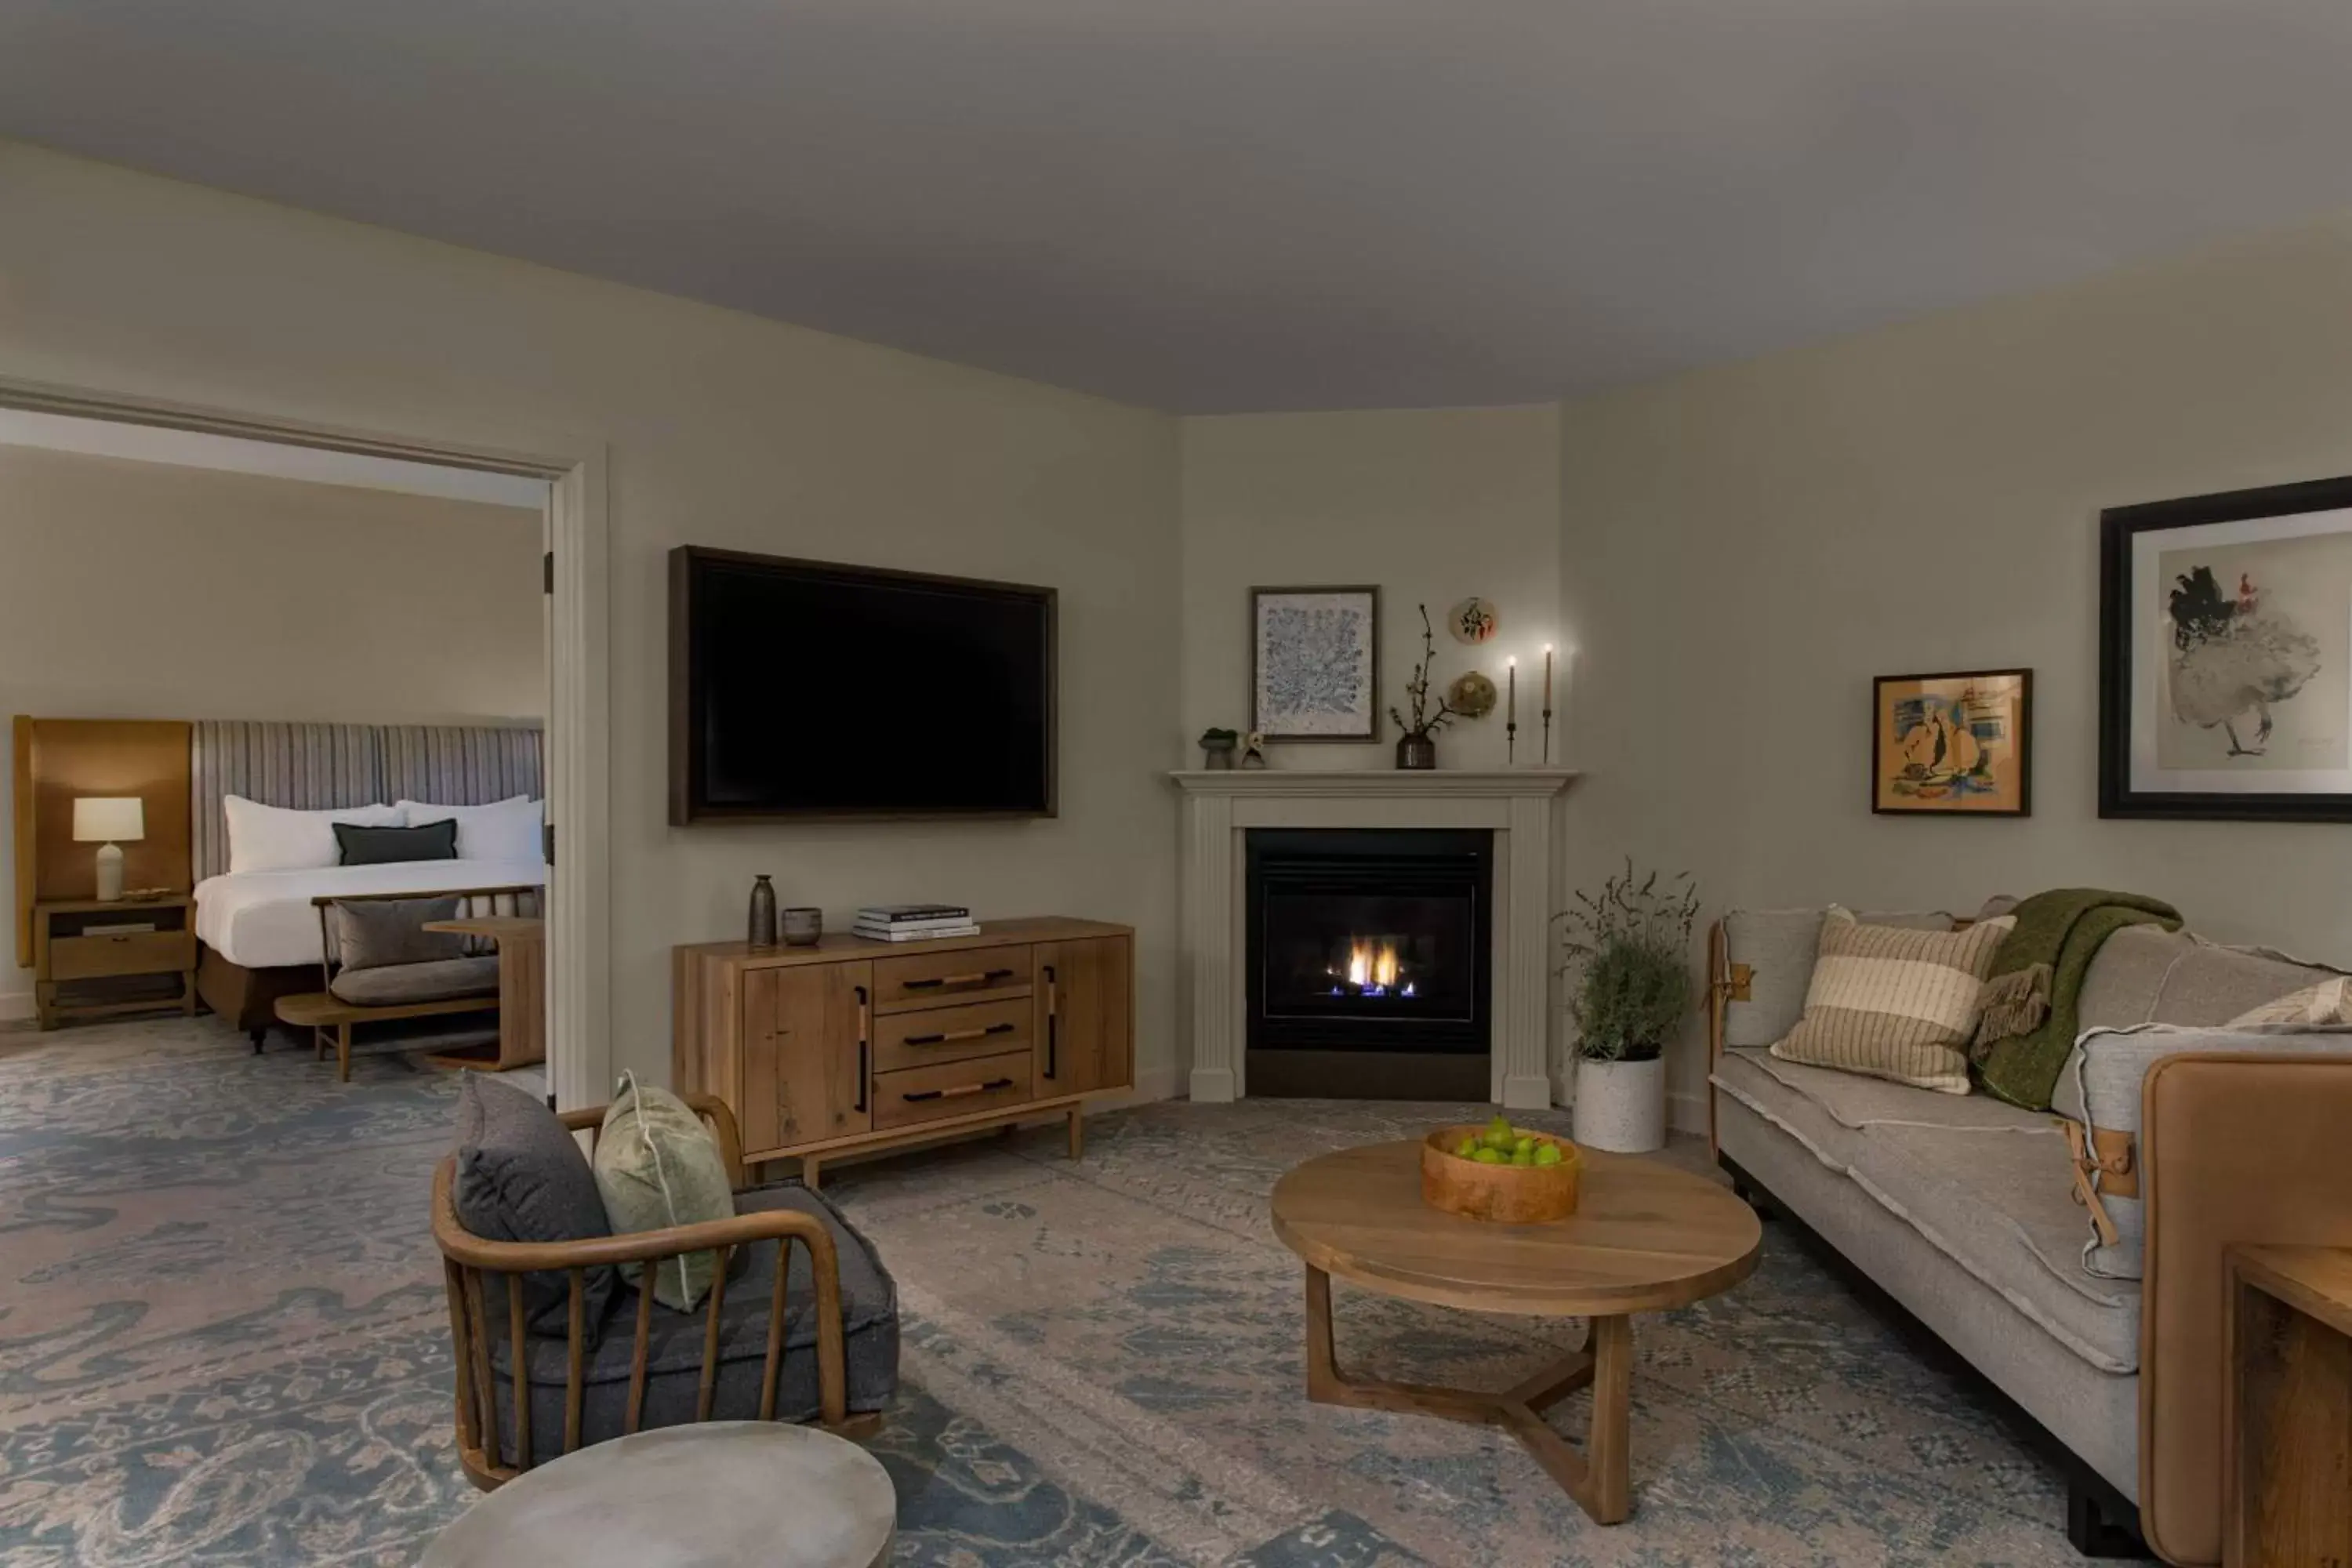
pixel 1369 964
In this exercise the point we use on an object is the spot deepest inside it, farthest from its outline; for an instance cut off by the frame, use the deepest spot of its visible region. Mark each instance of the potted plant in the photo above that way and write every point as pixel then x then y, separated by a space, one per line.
pixel 1217 748
pixel 1628 948
pixel 1417 747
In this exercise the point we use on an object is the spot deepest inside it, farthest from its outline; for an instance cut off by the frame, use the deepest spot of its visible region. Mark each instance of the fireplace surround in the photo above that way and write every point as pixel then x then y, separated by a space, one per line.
pixel 1518 809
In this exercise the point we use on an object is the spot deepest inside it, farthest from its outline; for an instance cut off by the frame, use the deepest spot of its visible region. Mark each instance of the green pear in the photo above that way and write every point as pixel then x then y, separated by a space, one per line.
pixel 1489 1156
pixel 1548 1154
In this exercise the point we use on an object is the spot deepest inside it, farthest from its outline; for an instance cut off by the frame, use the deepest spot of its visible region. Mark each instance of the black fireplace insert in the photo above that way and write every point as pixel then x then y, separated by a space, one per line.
pixel 1369 961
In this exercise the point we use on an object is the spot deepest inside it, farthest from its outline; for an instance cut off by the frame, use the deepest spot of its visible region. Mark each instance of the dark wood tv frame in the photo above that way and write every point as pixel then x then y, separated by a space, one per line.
pixel 684 812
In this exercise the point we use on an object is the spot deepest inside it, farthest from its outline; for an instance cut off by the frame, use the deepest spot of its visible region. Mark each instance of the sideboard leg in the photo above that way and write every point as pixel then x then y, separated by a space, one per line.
pixel 1077 1134
pixel 812 1171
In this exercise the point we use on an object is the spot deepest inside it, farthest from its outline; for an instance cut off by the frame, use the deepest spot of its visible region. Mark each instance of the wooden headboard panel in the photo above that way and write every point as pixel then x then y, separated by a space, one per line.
pixel 58 759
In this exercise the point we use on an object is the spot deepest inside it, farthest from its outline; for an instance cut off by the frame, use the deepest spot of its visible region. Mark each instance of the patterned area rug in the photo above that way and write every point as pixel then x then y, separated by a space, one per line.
pixel 222 1341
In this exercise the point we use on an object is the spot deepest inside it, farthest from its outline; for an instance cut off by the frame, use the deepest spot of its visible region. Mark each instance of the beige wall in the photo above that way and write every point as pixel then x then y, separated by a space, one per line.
pixel 133 590
pixel 1435 505
pixel 1745 548
pixel 721 429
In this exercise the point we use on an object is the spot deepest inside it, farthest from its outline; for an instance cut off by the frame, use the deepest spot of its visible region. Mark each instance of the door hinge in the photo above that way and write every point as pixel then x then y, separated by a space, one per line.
pixel 547 571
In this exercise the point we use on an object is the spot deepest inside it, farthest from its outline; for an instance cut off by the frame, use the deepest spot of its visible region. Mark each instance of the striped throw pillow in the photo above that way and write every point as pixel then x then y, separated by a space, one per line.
pixel 2324 1006
pixel 1895 1003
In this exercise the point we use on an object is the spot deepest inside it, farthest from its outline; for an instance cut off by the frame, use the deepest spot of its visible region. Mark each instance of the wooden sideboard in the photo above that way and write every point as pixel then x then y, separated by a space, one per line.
pixel 851 1044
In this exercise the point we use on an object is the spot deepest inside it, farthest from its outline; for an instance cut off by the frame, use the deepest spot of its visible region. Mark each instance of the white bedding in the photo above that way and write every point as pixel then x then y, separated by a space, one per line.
pixel 264 920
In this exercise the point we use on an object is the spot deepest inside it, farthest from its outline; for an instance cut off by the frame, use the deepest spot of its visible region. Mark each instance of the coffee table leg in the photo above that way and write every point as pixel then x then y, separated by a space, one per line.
pixel 1596 1476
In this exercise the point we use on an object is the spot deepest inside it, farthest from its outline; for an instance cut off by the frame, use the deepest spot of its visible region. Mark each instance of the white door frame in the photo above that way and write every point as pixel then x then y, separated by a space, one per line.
pixel 577 754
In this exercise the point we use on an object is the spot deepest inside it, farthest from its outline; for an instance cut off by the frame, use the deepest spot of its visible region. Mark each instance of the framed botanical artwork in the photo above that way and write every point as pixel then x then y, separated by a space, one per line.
pixel 1960 744
pixel 1315 663
pixel 2225 656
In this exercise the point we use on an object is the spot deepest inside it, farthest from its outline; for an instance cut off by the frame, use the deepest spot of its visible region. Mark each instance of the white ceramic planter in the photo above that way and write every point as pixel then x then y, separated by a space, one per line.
pixel 1622 1106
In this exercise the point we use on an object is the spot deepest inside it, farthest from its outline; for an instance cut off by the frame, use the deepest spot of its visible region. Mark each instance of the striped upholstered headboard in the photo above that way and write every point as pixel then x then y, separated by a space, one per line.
pixel 316 767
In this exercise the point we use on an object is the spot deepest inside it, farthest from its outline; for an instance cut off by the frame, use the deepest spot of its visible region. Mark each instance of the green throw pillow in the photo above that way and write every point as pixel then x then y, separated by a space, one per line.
pixel 658 1166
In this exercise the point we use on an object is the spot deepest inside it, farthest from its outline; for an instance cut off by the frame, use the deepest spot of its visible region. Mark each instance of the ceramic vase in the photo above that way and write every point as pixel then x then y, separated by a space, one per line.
pixel 761 936
pixel 1622 1106
pixel 1417 753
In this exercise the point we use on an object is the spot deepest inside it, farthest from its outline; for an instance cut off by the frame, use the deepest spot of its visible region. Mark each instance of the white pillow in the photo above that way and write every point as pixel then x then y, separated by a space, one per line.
pixel 274 838
pixel 508 830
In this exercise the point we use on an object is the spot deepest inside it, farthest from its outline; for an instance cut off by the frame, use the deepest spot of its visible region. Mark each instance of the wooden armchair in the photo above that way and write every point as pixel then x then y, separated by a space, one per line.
pixel 494 1451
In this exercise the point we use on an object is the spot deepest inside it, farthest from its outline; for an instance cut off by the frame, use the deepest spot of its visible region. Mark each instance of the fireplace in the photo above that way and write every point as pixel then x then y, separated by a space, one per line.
pixel 1368 962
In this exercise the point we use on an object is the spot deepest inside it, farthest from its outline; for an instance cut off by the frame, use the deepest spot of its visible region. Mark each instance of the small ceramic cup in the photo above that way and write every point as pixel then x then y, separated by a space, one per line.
pixel 803 927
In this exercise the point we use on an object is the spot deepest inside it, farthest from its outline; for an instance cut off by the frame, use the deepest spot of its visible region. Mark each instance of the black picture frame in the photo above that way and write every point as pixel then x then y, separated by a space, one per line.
pixel 2119 527
pixel 2024 806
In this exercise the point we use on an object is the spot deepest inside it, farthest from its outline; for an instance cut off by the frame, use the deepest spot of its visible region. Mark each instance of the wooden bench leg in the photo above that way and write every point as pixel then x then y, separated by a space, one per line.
pixel 343 1053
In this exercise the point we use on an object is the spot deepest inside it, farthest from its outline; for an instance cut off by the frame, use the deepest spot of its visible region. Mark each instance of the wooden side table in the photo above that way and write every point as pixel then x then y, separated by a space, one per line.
pixel 77 940
pixel 2286 1418
pixel 522 992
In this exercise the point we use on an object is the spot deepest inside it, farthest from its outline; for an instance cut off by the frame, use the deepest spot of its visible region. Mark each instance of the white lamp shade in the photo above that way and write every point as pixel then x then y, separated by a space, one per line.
pixel 109 819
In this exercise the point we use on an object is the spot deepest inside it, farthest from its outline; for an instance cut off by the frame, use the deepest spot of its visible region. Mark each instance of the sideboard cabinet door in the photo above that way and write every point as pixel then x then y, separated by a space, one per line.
pixel 807 1053
pixel 1085 1016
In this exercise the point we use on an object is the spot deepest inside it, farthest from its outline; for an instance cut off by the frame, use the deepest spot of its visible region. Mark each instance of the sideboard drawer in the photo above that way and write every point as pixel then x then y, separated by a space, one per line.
pixel 934 1093
pixel 933 979
pixel 129 952
pixel 927 1036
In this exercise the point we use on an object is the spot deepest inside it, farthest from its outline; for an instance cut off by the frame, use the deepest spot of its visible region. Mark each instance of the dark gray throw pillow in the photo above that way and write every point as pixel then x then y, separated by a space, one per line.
pixel 371 933
pixel 359 846
pixel 520 1178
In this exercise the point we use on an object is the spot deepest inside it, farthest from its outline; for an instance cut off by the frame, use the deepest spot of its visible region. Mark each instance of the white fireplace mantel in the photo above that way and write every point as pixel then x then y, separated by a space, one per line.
pixel 1519 805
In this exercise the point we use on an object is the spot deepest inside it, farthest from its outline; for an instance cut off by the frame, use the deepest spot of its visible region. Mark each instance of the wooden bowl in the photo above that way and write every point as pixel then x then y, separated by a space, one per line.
pixel 1509 1194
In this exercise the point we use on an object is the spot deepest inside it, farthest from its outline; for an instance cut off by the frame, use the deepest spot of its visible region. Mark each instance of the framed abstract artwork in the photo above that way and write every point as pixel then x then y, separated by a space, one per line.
pixel 1315 663
pixel 2225 656
pixel 1958 744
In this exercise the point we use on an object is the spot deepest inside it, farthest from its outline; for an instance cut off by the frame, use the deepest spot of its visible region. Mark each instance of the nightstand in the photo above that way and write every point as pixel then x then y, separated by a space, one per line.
pixel 89 958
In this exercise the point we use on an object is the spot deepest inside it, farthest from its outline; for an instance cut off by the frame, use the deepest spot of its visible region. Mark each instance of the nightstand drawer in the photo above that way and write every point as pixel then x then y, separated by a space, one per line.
pixel 129 952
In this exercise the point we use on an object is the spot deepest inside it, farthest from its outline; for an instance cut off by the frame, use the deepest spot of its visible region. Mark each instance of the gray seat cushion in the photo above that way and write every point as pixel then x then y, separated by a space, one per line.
pixel 869 1311
pixel 397 984
pixel 521 1177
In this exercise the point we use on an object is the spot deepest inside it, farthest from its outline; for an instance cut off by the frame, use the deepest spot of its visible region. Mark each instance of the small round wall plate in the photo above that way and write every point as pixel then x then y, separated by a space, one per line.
pixel 1473 620
pixel 1471 695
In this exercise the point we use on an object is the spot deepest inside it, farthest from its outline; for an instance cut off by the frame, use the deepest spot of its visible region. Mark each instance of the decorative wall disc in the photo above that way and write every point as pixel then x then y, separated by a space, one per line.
pixel 1473 620
pixel 1471 695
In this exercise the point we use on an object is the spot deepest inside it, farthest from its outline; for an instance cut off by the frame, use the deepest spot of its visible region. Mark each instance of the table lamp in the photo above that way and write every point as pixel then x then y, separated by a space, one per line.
pixel 102 820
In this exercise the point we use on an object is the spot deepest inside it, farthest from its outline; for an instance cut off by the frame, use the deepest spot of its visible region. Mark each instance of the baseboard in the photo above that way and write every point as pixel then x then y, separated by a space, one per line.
pixel 1685 1112
pixel 1158 1083
pixel 15 1005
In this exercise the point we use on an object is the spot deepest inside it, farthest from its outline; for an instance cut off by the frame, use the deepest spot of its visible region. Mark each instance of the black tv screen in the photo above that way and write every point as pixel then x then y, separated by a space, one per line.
pixel 800 689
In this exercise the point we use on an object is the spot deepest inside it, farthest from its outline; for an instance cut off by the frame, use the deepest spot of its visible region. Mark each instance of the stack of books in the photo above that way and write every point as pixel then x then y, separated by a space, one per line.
pixel 914 922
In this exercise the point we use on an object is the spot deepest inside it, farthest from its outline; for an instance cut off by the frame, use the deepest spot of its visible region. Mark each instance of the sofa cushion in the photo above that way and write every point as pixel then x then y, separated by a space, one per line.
pixel 869 1311
pixel 2326 1005
pixel 521 1177
pixel 1779 947
pixel 397 984
pixel 371 933
pixel 1895 1003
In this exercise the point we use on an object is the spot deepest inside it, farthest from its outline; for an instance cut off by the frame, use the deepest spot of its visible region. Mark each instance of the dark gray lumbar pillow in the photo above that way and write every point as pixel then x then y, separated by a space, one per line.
pixel 361 845
pixel 371 933
pixel 520 1178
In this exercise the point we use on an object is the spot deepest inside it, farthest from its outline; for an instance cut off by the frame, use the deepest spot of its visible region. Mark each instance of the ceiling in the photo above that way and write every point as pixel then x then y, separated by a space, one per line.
pixel 1241 205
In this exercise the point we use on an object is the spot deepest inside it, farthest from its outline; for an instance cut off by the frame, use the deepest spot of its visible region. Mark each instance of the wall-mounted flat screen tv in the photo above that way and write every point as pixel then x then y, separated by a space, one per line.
pixel 800 689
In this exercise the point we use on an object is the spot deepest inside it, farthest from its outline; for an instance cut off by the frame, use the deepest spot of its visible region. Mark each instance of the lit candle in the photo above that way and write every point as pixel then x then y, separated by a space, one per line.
pixel 1547 677
pixel 1511 668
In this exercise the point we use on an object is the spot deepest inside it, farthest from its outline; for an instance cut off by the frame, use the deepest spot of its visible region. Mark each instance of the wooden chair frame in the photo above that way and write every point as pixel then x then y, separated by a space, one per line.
pixel 469 1263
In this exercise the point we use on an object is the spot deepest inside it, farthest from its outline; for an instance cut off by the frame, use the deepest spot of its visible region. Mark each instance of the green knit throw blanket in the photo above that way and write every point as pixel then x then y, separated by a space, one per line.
pixel 2035 990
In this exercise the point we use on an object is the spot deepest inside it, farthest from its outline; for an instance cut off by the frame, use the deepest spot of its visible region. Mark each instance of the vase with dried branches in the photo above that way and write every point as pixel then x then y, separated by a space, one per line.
pixel 1417 746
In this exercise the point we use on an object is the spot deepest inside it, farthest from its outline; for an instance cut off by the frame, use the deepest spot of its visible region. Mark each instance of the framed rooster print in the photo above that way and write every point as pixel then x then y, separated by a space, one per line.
pixel 1952 745
pixel 2225 657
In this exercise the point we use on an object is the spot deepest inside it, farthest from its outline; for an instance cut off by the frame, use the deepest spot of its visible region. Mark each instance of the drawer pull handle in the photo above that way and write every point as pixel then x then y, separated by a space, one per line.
pixel 985 978
pixel 864 1035
pixel 957 1093
pixel 959 1034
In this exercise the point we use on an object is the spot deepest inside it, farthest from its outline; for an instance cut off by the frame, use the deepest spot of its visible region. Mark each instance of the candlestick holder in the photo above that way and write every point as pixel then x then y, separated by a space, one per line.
pixel 1511 743
pixel 1547 748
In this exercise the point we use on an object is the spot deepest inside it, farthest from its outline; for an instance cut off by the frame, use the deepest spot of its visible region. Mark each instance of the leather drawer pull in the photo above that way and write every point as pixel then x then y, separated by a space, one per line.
pixel 959 1092
pixel 981 979
pixel 961 1035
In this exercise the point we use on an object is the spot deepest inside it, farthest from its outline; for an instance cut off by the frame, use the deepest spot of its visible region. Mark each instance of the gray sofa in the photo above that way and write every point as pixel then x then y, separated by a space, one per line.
pixel 1965 1211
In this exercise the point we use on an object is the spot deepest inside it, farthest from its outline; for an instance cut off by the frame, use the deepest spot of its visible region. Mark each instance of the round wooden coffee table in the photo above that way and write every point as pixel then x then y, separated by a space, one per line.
pixel 718 1492
pixel 1645 1238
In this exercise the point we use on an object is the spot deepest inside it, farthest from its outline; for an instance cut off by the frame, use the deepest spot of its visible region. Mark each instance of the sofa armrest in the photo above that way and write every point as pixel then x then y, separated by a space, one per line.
pixel 2235 1145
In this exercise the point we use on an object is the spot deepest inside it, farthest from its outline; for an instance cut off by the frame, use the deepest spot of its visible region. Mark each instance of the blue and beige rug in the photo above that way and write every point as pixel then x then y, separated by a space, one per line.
pixel 223 1342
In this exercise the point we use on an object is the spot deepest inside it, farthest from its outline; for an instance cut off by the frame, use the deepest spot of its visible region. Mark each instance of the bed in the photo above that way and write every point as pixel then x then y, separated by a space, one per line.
pixel 258 931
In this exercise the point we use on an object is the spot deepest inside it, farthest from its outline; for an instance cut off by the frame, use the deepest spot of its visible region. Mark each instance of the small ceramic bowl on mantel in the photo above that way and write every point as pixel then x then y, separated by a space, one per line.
pixel 1498 1190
